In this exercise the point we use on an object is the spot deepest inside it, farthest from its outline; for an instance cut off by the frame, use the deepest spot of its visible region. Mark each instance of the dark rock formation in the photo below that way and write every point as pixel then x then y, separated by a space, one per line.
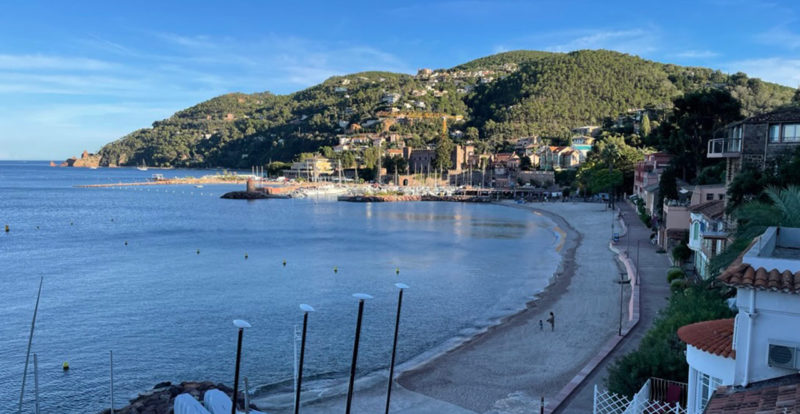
pixel 160 399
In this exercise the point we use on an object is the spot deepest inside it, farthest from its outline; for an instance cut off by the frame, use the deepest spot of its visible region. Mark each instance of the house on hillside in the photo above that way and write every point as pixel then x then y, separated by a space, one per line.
pixel 558 158
pixel 590 130
pixel 749 364
pixel 390 98
pixel 757 140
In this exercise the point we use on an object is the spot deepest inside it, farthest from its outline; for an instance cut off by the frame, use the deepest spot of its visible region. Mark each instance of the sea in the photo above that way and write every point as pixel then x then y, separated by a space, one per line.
pixel 157 274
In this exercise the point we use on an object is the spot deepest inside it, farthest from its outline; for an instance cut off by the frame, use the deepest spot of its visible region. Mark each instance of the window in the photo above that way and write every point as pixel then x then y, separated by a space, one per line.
pixel 774 133
pixel 721 196
pixel 791 132
pixel 696 231
pixel 705 387
pixel 709 197
pixel 736 132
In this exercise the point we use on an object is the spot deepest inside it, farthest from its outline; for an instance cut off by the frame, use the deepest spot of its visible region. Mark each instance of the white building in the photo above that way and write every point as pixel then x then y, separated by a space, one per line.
pixel 707 236
pixel 760 348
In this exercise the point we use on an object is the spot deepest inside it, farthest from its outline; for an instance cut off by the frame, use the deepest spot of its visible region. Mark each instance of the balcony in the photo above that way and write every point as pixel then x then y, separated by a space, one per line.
pixel 725 148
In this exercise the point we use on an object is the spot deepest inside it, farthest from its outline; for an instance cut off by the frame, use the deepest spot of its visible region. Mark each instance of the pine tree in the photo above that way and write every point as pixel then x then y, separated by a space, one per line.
pixel 796 97
pixel 645 130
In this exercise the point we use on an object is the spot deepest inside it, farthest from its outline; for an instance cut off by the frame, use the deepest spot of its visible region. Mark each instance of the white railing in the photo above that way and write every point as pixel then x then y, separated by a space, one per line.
pixel 719 147
pixel 606 402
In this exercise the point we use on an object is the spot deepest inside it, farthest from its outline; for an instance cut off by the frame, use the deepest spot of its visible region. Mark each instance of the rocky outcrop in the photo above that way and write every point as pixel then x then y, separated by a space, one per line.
pixel 245 195
pixel 161 398
pixel 86 160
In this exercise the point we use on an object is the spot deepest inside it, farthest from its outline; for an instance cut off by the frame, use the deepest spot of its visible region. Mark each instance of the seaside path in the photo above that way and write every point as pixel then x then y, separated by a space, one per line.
pixel 654 292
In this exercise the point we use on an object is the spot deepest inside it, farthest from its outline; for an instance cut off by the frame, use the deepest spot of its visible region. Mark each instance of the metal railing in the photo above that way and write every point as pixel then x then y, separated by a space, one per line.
pixel 721 147
pixel 652 398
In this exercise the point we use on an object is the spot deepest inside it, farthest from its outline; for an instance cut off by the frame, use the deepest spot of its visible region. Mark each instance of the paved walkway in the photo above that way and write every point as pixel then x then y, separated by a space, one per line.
pixel 654 292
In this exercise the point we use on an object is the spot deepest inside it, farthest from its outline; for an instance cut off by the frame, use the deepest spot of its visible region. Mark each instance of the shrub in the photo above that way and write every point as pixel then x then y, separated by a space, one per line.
pixel 681 253
pixel 677 285
pixel 661 352
pixel 675 273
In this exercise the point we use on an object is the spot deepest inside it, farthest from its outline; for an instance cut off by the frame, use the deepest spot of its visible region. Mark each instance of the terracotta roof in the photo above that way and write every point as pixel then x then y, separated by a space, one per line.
pixel 714 337
pixel 710 209
pixel 775 396
pixel 741 274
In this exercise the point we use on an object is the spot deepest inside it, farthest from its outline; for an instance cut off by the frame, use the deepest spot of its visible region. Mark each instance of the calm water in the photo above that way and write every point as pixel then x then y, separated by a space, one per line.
pixel 166 310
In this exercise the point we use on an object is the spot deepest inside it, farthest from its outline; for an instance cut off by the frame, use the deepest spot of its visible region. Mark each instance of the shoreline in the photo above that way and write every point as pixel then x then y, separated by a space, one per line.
pixel 569 240
pixel 416 391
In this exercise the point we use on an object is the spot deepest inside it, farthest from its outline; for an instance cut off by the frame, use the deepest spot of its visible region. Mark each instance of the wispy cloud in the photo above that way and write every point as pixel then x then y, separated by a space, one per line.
pixel 636 41
pixel 780 37
pixel 34 62
pixel 776 69
pixel 696 54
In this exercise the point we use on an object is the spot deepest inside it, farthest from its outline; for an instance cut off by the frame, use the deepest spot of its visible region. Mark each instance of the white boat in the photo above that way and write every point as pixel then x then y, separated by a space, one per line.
pixel 198 186
pixel 143 167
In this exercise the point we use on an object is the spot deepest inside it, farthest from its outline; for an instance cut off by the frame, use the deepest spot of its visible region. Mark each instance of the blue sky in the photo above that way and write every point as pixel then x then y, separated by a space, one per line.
pixel 76 75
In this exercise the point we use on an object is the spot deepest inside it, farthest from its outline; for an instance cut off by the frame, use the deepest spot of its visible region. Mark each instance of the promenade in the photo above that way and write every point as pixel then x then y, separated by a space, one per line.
pixel 511 366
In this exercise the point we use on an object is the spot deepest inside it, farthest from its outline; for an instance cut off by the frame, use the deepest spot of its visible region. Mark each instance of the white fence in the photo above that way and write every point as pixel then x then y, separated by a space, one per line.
pixel 606 402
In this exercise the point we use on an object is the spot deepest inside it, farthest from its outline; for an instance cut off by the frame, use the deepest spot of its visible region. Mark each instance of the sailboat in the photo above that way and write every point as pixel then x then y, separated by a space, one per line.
pixel 142 167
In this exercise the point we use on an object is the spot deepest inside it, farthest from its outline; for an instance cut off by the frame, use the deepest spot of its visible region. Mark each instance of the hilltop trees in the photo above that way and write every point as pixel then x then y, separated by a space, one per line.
pixel 694 120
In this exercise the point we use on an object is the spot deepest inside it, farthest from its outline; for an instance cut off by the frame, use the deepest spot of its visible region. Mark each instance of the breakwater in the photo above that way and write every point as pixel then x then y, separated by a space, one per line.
pixel 399 197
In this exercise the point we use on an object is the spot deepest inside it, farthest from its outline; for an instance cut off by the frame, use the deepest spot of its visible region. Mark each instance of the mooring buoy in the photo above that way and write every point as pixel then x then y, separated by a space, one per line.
pixel 7 229
pixel 126 242
pixel 245 256
pixel 335 269
pixel 397 271
pixel 65 366
pixel 198 251
pixel 284 262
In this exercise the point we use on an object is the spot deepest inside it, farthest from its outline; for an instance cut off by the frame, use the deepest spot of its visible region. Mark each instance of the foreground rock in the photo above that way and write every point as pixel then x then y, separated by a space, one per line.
pixel 160 399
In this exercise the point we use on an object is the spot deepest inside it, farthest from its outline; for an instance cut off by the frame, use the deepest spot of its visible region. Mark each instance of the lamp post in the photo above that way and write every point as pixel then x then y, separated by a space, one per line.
pixel 361 297
pixel 306 309
pixel 400 286
pixel 241 325
pixel 622 281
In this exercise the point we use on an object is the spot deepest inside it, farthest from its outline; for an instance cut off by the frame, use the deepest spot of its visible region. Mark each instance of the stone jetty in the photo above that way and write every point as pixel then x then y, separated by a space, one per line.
pixel 160 399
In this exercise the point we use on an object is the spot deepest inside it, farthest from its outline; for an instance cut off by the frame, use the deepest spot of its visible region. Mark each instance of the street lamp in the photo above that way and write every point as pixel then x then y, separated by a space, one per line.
pixel 306 309
pixel 400 286
pixel 622 281
pixel 241 325
pixel 361 297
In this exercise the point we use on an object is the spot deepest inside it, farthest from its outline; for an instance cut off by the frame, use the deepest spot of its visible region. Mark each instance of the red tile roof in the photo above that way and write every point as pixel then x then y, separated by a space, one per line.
pixel 776 396
pixel 710 209
pixel 741 274
pixel 714 337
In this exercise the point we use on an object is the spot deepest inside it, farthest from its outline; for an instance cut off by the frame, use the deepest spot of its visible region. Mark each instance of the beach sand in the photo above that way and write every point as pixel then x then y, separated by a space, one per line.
pixel 508 368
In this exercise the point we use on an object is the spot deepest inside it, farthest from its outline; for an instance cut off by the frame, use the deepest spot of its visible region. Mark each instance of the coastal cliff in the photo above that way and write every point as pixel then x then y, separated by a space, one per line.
pixel 86 160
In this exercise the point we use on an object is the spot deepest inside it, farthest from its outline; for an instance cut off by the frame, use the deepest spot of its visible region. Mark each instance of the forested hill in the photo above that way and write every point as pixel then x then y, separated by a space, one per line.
pixel 505 96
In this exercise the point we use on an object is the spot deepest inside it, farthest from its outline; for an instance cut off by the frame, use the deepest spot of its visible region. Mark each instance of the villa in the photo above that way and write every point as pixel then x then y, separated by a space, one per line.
pixel 749 364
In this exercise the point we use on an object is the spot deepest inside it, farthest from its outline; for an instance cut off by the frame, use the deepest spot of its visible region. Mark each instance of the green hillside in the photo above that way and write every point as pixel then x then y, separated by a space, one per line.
pixel 506 95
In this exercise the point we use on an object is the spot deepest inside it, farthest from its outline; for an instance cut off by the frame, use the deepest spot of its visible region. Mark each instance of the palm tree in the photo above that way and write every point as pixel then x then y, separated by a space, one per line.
pixel 753 218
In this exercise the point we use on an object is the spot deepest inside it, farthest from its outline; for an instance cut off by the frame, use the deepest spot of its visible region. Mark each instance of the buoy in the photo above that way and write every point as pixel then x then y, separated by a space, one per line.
pixel 37 227
pixel 126 242
pixel 335 269
pixel 397 271
pixel 65 366
pixel 198 251
pixel 7 229
pixel 245 256
pixel 112 219
pixel 284 262
pixel 71 223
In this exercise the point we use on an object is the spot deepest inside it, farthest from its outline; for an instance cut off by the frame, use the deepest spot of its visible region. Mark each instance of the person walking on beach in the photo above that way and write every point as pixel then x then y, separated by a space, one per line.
pixel 552 321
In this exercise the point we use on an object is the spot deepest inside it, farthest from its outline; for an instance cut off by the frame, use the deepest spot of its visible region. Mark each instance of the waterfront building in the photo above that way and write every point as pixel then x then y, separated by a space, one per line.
pixel 675 213
pixel 707 236
pixel 749 364
pixel 757 140
pixel 648 172
pixel 310 168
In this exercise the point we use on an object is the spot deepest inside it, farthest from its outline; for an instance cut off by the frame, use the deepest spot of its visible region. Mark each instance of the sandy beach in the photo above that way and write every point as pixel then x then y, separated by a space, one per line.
pixel 508 368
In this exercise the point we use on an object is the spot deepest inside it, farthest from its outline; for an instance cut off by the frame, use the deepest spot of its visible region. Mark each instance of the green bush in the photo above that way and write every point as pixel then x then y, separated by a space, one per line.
pixel 681 253
pixel 677 285
pixel 675 273
pixel 661 352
